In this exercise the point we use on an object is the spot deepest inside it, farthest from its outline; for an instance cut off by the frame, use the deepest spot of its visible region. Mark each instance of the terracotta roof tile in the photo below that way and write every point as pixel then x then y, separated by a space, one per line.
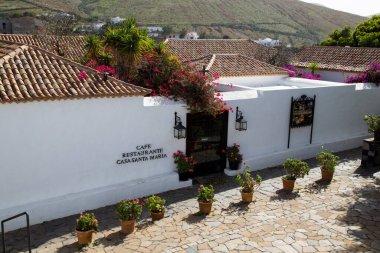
pixel 354 59
pixel 189 50
pixel 227 65
pixel 28 73
pixel 73 46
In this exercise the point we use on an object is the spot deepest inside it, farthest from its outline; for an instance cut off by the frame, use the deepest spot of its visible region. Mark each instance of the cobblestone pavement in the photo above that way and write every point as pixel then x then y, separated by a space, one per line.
pixel 343 216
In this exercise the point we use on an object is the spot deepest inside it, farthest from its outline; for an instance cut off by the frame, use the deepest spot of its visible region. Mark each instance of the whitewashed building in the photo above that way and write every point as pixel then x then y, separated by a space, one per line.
pixel 191 36
pixel 72 142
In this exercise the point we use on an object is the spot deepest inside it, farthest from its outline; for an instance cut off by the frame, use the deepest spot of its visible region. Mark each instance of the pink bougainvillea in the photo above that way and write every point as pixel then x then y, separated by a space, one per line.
pixel 371 75
pixel 293 72
pixel 82 75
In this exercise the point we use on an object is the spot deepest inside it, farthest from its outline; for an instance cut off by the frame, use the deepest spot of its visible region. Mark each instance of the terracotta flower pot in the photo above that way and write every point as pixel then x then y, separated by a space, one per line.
pixel 288 184
pixel 205 207
pixel 157 216
pixel 127 226
pixel 327 175
pixel 247 197
pixel 84 237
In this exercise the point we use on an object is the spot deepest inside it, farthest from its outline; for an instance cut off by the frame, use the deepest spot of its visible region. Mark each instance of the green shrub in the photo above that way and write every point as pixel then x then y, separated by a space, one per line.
pixel 247 182
pixel 155 204
pixel 327 160
pixel 373 122
pixel 129 209
pixel 87 222
pixel 296 169
pixel 206 193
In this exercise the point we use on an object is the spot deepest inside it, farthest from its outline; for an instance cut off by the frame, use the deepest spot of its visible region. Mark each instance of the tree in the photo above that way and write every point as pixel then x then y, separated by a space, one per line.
pixel 366 34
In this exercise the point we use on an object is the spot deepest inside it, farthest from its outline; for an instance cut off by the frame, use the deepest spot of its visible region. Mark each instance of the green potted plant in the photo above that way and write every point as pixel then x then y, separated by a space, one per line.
pixel 185 165
pixel 373 122
pixel 295 169
pixel 327 160
pixel 87 224
pixel 156 205
pixel 248 184
pixel 128 212
pixel 205 198
pixel 233 156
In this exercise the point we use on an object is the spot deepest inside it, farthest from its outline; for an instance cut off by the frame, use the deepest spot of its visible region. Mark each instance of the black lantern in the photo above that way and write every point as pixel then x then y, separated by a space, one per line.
pixel 241 123
pixel 179 129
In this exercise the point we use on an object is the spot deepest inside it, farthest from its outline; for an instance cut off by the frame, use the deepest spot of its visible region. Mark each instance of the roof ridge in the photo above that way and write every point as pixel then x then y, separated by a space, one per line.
pixel 211 62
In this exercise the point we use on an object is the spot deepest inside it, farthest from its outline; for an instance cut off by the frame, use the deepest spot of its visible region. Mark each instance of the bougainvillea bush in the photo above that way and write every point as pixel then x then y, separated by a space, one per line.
pixel 166 76
pixel 371 75
pixel 293 72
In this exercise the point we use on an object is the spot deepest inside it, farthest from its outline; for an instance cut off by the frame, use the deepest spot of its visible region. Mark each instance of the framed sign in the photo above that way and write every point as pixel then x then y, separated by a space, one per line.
pixel 302 114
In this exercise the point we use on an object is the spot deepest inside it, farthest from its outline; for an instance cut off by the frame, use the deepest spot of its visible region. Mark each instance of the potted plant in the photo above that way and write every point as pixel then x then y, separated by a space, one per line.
pixel 86 225
pixel 185 165
pixel 295 169
pixel 128 212
pixel 156 205
pixel 327 160
pixel 233 156
pixel 205 198
pixel 248 184
pixel 373 122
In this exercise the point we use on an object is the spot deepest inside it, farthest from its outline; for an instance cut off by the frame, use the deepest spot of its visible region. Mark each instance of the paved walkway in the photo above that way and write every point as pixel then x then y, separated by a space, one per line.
pixel 343 216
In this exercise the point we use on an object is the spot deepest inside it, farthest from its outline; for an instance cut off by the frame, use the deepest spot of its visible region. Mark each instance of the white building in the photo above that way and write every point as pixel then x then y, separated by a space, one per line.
pixel 116 20
pixel 71 141
pixel 336 64
pixel 268 42
pixel 191 36
pixel 173 36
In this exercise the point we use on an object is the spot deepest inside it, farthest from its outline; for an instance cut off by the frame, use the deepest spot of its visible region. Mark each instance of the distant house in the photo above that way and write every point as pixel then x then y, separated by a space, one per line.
pixel 191 36
pixel 336 64
pixel 268 42
pixel 70 47
pixel 191 50
pixel 116 20
pixel 173 36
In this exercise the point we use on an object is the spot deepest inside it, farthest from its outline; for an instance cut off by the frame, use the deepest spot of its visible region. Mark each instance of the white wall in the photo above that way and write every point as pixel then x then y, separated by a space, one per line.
pixel 59 157
pixel 331 75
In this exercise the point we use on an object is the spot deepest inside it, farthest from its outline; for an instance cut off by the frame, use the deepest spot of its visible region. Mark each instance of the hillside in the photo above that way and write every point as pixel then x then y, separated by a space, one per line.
pixel 288 20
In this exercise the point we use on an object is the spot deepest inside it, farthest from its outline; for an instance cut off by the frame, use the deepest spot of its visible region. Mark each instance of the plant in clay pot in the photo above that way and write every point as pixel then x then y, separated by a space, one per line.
pixel 185 165
pixel 128 212
pixel 248 184
pixel 86 225
pixel 205 198
pixel 327 160
pixel 373 122
pixel 295 169
pixel 156 205
pixel 233 156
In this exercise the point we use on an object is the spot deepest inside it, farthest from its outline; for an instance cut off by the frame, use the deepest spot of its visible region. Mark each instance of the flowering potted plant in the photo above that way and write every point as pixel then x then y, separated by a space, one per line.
pixel 185 165
pixel 248 184
pixel 295 169
pixel 156 205
pixel 128 212
pixel 234 157
pixel 86 225
pixel 373 122
pixel 327 160
pixel 205 198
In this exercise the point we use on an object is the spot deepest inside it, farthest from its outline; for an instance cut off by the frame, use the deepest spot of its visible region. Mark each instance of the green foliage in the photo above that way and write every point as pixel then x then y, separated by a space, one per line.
pixel 373 122
pixel 93 47
pixel 327 160
pixel 155 204
pixel 296 168
pixel 367 34
pixel 247 182
pixel 129 209
pixel 233 153
pixel 313 67
pixel 206 193
pixel 340 38
pixel 87 222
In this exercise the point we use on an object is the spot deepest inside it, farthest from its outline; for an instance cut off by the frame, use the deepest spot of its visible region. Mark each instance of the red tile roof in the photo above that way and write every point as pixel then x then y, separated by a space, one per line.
pixel 353 59
pixel 28 73
pixel 227 65
pixel 72 46
pixel 190 50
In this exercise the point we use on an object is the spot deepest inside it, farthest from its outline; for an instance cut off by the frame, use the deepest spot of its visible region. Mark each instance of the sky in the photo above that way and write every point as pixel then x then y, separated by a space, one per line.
pixel 359 7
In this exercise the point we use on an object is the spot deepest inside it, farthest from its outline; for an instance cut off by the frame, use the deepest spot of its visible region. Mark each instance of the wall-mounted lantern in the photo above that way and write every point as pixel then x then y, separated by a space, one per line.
pixel 179 129
pixel 241 123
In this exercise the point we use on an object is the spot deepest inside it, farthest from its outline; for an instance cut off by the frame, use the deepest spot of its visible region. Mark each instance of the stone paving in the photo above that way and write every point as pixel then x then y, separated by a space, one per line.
pixel 343 216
